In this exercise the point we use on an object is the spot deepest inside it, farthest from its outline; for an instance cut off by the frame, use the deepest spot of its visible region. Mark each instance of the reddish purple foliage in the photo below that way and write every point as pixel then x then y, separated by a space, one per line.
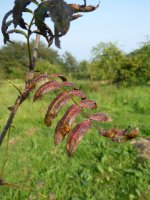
pixel 65 124
pixel 76 135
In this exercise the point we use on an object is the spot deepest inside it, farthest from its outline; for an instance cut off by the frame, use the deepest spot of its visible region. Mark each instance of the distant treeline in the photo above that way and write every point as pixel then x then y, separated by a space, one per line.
pixel 108 64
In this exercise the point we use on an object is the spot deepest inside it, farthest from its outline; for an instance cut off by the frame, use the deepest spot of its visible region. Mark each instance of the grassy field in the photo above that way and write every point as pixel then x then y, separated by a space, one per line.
pixel 99 169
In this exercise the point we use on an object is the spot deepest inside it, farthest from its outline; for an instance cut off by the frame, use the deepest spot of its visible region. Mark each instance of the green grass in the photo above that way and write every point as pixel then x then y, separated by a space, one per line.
pixel 99 169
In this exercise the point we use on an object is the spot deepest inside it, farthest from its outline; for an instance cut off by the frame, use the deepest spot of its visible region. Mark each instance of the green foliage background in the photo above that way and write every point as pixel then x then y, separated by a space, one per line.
pixel 99 169
pixel 108 64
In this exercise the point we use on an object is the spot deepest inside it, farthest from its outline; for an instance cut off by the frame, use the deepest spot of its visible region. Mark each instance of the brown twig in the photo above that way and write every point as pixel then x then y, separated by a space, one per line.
pixel 24 95
pixel 20 99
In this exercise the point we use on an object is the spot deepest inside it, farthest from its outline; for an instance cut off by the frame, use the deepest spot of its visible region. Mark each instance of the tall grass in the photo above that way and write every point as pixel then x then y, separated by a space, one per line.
pixel 99 170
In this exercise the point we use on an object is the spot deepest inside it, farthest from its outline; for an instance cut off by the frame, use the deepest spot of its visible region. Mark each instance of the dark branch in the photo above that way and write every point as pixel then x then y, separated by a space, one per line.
pixel 23 96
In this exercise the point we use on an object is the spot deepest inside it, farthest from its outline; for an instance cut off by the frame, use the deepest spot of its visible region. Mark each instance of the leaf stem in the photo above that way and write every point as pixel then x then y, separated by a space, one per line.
pixel 18 101
pixel 11 83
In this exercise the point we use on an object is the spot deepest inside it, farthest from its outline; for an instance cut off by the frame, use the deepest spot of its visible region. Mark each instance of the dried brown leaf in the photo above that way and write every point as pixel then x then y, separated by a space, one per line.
pixel 83 8
pixel 132 134
pixel 112 133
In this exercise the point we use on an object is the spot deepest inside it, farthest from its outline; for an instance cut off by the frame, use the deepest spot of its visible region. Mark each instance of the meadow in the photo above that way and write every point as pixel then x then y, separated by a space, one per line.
pixel 98 170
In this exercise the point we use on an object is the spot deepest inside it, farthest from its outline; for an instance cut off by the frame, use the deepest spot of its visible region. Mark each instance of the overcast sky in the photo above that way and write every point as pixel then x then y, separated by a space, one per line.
pixel 126 22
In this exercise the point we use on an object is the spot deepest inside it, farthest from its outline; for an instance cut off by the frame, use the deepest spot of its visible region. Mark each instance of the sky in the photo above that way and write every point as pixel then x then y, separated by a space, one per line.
pixel 126 22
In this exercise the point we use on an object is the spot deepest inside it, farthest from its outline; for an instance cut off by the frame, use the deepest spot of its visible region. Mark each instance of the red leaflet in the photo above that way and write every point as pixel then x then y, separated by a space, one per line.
pixel 69 84
pixel 76 135
pixel 58 103
pixel 32 84
pixel 64 125
pixel 55 106
pixel 100 117
pixel 44 76
pixel 77 93
pixel 41 77
pixel 46 87
pixel 89 104
pixel 63 78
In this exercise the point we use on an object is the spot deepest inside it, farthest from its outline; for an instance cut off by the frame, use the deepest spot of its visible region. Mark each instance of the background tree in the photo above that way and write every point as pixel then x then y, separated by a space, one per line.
pixel 70 63
pixel 107 59
pixel 141 56
pixel 14 59
pixel 83 72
